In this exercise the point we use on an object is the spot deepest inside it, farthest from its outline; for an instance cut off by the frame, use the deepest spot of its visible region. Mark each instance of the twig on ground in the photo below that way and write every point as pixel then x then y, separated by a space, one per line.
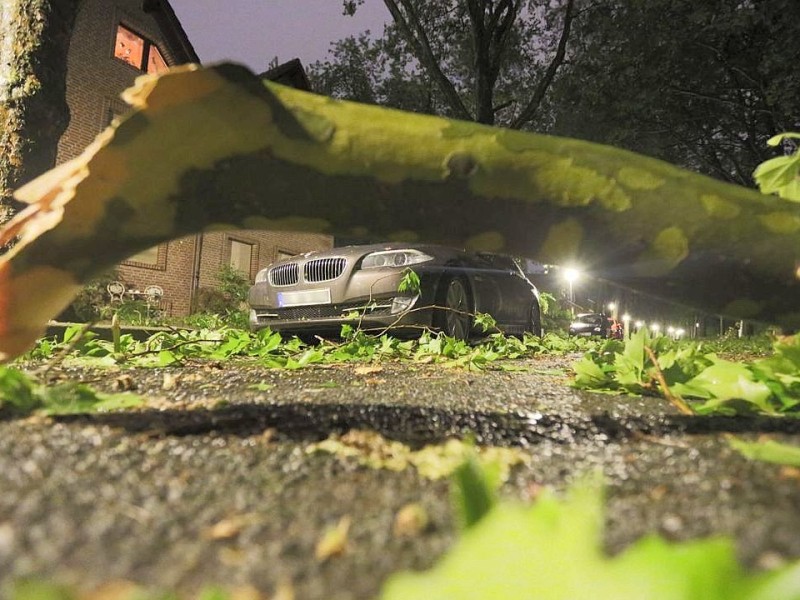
pixel 673 399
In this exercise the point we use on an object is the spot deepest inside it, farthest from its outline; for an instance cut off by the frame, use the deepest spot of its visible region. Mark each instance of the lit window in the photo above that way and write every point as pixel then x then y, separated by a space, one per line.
pixel 241 256
pixel 156 62
pixel 129 47
pixel 138 52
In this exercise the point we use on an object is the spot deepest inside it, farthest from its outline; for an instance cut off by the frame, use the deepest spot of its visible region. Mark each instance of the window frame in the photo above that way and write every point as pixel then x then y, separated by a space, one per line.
pixel 254 253
pixel 159 265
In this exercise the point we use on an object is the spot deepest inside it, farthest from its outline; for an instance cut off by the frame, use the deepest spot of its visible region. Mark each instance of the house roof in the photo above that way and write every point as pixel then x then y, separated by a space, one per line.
pixel 290 73
pixel 172 28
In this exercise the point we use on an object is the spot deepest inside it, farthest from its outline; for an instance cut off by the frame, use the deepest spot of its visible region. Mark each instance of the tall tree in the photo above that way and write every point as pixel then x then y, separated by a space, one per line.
pixel 490 61
pixel 700 84
pixel 34 38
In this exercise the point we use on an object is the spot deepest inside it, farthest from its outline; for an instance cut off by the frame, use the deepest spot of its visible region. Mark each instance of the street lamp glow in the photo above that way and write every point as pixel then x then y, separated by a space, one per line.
pixel 639 324
pixel 612 306
pixel 571 275
pixel 626 317
pixel 655 327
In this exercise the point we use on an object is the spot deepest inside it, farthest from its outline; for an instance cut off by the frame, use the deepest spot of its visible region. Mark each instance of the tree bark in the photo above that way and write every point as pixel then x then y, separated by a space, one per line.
pixel 491 24
pixel 34 39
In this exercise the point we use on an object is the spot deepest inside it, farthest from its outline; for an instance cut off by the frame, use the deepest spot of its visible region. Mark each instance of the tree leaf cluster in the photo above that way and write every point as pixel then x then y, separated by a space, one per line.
pixel 643 365
pixel 700 84
pixel 269 348
pixel 21 394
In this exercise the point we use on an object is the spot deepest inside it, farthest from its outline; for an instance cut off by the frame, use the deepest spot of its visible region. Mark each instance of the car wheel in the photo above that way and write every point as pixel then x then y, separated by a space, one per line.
pixel 455 319
pixel 535 325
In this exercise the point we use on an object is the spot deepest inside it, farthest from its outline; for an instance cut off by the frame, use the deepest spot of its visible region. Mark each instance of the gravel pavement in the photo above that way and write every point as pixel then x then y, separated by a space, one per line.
pixel 212 483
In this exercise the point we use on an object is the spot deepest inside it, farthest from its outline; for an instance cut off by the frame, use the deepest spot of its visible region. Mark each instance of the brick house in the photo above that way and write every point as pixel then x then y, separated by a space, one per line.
pixel 115 41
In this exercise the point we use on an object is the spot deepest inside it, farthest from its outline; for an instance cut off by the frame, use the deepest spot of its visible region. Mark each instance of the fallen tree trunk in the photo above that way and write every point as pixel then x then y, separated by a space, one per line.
pixel 218 148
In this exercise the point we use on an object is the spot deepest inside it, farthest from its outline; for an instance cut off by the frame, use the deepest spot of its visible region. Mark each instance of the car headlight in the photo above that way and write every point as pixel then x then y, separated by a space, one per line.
pixel 262 275
pixel 394 258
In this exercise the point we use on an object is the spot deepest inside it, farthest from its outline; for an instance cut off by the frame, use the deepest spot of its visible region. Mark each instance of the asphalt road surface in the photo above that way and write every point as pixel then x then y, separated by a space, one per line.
pixel 212 483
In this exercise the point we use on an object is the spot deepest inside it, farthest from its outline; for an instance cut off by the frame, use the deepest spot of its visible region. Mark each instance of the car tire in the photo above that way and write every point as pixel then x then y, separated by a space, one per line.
pixel 455 316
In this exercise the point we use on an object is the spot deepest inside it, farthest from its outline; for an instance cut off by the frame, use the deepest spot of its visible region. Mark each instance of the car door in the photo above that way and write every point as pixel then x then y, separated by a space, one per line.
pixel 508 298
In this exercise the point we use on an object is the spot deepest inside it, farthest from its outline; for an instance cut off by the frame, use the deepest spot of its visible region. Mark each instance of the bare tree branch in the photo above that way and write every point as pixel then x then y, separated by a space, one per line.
pixel 532 107
pixel 415 35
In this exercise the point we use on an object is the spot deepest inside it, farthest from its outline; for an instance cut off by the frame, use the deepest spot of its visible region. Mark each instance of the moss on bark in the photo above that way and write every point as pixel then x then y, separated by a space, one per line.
pixel 35 38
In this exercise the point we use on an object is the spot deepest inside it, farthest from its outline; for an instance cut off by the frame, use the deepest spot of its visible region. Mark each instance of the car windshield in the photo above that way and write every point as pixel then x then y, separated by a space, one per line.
pixel 590 319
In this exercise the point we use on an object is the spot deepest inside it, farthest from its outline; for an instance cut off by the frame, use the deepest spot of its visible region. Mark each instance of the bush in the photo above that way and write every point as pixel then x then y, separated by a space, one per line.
pixel 227 302
pixel 233 283
pixel 92 302
pixel 212 300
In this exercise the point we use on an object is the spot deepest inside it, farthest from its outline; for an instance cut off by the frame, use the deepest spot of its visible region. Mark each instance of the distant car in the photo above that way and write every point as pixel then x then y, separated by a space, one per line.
pixel 316 293
pixel 594 324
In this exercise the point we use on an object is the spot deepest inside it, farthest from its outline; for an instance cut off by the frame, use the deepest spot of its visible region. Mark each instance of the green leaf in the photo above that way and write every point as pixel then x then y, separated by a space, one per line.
pixel 269 341
pixel 39 590
pixel 17 391
pixel 114 402
pixel 780 175
pixel 629 366
pixel 409 282
pixel 724 381
pixel 473 494
pixel 68 399
pixel 166 358
pixel 589 375
pixel 777 139
pixel 213 593
pixel 261 387
pixel 768 451
pixel 553 551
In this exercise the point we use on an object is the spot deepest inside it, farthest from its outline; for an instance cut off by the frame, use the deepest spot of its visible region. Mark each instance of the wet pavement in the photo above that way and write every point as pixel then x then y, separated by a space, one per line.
pixel 212 483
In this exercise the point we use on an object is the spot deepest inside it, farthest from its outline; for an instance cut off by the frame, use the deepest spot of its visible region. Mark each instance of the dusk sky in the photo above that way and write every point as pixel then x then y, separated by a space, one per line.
pixel 253 32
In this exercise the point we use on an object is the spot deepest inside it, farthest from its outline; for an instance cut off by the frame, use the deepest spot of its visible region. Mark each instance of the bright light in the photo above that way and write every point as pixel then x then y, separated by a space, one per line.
pixel 679 333
pixel 670 330
pixel 626 317
pixel 571 274
pixel 612 306
pixel 639 324
pixel 655 327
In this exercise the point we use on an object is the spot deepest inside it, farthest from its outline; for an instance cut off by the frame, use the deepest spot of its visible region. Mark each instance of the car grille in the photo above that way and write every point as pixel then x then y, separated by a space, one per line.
pixel 314 271
pixel 284 274
pixel 324 269
pixel 322 312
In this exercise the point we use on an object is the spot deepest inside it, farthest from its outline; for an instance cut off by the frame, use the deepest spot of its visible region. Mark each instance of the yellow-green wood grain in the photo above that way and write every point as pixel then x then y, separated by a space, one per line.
pixel 215 147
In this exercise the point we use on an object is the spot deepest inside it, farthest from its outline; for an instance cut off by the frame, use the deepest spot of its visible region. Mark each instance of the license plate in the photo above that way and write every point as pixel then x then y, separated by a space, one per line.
pixel 304 298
